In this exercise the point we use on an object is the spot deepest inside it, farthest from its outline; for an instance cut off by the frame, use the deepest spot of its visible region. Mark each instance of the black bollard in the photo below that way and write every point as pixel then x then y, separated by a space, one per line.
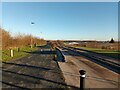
pixel 82 79
pixel 18 49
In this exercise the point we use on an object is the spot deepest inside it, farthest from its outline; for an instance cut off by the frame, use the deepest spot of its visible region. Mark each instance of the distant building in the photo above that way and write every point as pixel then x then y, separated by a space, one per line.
pixel 73 43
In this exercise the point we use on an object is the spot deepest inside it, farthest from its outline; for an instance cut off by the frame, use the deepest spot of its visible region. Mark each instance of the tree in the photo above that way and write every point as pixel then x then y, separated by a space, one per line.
pixel 111 41
pixel 19 40
pixel 6 38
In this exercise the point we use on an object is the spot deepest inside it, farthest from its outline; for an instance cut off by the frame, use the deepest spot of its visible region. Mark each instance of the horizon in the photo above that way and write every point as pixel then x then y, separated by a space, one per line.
pixel 62 21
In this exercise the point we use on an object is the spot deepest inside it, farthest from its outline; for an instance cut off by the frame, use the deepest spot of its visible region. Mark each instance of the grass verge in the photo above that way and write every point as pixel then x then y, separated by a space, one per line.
pixel 6 53
pixel 105 52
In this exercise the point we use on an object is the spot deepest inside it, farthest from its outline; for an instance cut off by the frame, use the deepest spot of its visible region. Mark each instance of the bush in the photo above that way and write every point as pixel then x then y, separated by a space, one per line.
pixel 19 40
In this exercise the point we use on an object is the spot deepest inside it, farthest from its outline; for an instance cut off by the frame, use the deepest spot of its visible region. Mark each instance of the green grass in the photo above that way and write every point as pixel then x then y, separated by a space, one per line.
pixel 110 53
pixel 98 50
pixel 6 53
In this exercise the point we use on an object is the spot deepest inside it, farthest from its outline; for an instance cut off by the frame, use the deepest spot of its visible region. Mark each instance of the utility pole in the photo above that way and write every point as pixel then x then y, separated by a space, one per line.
pixel 31 41
pixel 32 23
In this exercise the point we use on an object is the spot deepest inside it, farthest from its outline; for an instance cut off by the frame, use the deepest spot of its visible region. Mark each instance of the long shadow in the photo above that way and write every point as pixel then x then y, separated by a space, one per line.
pixel 45 46
pixel 42 68
pixel 109 55
pixel 34 67
pixel 112 55
pixel 46 52
pixel 69 54
pixel 35 77
pixel 91 58
pixel 20 88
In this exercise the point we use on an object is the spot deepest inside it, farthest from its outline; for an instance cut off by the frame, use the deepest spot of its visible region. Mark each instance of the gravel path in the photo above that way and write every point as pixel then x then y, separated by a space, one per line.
pixel 38 70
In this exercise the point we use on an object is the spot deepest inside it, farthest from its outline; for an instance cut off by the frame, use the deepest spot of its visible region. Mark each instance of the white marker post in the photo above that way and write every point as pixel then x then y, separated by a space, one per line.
pixel 11 53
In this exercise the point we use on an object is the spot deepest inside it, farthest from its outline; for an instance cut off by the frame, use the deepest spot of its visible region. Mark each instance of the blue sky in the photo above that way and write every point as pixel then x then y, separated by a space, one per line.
pixel 62 21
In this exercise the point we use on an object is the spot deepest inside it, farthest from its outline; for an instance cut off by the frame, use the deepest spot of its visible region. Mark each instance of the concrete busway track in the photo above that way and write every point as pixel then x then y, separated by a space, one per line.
pixel 97 76
pixel 100 56
pixel 109 63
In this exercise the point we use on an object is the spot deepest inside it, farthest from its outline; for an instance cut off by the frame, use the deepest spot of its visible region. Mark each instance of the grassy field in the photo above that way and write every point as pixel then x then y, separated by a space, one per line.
pixel 110 53
pixel 6 53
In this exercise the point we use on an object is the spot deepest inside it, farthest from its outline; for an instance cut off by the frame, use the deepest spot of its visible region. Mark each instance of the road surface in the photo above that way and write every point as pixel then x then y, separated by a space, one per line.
pixel 96 75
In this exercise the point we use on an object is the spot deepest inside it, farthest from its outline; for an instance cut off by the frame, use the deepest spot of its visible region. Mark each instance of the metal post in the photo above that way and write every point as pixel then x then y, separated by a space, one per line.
pixel 31 42
pixel 11 53
pixel 18 49
pixel 31 36
pixel 82 79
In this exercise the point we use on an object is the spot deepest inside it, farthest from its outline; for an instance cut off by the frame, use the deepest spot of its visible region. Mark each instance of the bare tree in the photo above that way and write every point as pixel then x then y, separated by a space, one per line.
pixel 6 39
pixel 19 40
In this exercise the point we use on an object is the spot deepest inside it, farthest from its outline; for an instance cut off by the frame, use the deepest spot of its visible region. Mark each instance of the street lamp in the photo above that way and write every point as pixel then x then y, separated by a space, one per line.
pixel 32 23
pixel 31 41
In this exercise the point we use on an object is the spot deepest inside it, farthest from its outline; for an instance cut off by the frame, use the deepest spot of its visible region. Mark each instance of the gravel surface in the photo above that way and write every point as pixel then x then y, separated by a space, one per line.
pixel 38 70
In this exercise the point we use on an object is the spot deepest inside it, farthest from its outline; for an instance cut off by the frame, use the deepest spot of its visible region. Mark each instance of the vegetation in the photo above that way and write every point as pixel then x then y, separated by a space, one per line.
pixel 23 52
pixel 22 41
pixel 53 45
pixel 19 40
pixel 110 53
pixel 112 41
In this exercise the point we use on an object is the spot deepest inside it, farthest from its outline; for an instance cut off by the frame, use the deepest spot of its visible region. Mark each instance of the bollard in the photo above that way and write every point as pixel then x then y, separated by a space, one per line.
pixel 82 79
pixel 11 53
pixel 18 49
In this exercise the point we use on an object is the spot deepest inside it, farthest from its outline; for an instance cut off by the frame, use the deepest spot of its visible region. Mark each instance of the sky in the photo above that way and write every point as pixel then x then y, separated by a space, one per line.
pixel 62 20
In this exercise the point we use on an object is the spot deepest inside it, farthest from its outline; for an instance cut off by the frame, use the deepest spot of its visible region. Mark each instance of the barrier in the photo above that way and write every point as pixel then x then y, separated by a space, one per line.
pixel 60 56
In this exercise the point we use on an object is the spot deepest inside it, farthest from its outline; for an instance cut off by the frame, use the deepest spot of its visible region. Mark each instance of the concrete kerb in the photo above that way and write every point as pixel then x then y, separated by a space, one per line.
pixel 60 55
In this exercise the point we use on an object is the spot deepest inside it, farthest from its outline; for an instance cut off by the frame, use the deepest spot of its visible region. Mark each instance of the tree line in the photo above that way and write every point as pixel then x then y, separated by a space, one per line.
pixel 18 40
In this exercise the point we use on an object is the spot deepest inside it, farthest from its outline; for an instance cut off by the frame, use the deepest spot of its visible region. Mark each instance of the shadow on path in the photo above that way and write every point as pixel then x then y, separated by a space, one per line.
pixel 35 77
pixel 15 86
pixel 46 52
pixel 34 67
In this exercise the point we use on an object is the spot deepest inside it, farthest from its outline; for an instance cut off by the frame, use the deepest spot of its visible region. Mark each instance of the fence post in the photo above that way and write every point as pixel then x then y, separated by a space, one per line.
pixel 82 79
pixel 11 53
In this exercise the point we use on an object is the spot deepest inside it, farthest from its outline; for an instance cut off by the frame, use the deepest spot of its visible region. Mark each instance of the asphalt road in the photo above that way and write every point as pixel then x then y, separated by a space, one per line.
pixel 37 70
